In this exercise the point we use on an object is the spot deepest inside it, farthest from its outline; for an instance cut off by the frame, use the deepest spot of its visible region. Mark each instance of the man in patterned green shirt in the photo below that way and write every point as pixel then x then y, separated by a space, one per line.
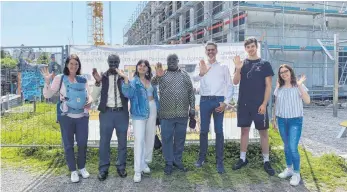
pixel 177 102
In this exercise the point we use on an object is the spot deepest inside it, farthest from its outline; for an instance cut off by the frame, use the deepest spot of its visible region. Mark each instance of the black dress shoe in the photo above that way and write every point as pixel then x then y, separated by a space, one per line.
pixel 180 167
pixel 122 173
pixel 102 175
pixel 168 169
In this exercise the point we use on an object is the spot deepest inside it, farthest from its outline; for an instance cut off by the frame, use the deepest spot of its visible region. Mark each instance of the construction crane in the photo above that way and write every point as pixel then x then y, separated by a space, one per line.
pixel 95 23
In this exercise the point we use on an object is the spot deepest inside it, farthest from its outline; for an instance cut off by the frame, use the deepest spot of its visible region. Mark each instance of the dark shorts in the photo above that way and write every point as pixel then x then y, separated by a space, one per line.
pixel 248 113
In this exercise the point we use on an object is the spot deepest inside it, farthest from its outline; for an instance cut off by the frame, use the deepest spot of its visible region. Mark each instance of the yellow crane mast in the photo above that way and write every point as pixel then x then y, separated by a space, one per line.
pixel 95 22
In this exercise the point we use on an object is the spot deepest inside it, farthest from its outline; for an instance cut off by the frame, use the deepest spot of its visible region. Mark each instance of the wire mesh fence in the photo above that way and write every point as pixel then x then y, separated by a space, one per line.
pixel 30 120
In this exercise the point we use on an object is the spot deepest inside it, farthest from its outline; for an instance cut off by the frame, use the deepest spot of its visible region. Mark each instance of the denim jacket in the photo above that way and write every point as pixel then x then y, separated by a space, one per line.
pixel 137 94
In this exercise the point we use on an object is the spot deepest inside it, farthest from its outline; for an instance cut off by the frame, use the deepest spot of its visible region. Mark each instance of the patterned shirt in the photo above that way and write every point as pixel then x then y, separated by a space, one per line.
pixel 289 102
pixel 176 94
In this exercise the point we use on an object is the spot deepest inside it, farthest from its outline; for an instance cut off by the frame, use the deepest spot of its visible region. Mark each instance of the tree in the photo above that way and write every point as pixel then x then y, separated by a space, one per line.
pixel 43 59
pixel 8 62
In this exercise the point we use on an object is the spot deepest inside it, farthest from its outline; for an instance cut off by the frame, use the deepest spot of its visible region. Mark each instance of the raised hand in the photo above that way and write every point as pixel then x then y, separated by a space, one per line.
pixel 121 73
pixel 48 76
pixel 301 80
pixel 159 71
pixel 237 61
pixel 96 75
pixel 203 68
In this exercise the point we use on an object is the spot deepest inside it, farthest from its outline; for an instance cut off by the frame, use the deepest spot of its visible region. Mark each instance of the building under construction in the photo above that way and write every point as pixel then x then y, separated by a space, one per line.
pixel 291 32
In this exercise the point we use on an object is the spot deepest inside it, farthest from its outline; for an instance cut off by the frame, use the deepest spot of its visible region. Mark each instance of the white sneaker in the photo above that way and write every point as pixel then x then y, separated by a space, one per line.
pixel 146 169
pixel 74 177
pixel 84 173
pixel 137 177
pixel 286 173
pixel 295 180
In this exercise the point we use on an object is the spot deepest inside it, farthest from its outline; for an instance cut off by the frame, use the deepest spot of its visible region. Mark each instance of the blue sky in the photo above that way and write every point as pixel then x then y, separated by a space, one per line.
pixel 49 23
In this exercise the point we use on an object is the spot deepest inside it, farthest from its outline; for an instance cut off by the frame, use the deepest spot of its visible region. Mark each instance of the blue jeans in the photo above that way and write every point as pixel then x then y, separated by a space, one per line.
pixel 109 120
pixel 173 134
pixel 70 127
pixel 290 131
pixel 208 104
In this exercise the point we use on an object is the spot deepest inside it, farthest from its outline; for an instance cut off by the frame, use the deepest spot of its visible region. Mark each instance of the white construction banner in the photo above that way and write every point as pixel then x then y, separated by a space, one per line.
pixel 189 56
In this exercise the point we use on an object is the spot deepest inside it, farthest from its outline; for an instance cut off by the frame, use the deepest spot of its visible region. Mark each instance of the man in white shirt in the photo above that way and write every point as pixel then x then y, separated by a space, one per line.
pixel 114 113
pixel 216 93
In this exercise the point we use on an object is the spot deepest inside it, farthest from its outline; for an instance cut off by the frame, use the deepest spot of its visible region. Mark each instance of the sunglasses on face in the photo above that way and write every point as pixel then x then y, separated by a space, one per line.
pixel 283 72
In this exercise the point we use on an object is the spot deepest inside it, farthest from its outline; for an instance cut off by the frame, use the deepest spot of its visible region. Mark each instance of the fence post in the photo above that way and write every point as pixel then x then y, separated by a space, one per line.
pixel 34 104
pixel 7 106
pixel 336 74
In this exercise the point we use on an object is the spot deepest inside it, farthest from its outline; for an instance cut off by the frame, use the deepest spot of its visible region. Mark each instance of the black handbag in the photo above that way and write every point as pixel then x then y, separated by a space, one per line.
pixel 157 142
pixel 192 123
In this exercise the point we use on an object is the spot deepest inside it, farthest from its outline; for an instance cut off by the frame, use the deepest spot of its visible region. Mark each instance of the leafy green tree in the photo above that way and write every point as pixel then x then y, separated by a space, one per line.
pixel 43 59
pixel 8 62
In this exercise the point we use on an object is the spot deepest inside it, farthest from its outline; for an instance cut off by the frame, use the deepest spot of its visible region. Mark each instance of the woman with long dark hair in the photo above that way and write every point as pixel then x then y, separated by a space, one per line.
pixel 73 117
pixel 144 105
pixel 290 94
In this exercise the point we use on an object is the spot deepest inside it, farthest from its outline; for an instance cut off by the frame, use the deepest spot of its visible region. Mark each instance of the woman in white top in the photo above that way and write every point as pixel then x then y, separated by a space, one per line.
pixel 75 101
pixel 288 111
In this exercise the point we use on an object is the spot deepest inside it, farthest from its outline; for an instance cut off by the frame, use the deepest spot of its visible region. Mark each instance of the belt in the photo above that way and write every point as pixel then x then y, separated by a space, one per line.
pixel 114 108
pixel 211 97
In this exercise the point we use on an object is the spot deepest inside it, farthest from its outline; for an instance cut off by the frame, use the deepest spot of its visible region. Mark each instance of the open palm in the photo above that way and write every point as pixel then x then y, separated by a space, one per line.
pixel 301 80
pixel 45 73
pixel 96 75
pixel 121 73
pixel 203 67
pixel 159 71
pixel 237 61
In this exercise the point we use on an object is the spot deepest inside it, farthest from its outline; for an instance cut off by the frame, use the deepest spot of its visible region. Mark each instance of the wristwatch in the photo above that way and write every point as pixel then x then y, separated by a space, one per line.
pixel 97 84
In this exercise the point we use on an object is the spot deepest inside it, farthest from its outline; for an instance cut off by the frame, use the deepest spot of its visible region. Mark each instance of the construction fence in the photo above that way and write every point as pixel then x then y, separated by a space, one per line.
pixel 28 119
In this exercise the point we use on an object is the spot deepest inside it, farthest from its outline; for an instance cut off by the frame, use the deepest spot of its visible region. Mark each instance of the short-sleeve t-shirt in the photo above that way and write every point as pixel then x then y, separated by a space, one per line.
pixel 252 83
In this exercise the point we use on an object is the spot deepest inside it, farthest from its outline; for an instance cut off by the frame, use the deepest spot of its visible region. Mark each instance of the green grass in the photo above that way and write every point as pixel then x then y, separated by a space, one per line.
pixel 325 173
pixel 29 128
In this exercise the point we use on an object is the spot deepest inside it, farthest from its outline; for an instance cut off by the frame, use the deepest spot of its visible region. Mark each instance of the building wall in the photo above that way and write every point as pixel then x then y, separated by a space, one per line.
pixel 299 30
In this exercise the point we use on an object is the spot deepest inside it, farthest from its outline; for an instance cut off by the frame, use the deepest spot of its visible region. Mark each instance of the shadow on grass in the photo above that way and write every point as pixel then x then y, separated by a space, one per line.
pixel 315 180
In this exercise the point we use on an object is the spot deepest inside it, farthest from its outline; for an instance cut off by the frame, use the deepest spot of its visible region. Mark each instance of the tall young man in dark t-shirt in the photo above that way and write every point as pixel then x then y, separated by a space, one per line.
pixel 255 78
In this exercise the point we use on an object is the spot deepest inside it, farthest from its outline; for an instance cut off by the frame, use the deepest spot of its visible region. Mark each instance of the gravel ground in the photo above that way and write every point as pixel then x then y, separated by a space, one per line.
pixel 13 181
pixel 320 130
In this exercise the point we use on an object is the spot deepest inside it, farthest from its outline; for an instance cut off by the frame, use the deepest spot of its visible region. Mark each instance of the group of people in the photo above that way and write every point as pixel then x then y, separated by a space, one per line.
pixel 175 107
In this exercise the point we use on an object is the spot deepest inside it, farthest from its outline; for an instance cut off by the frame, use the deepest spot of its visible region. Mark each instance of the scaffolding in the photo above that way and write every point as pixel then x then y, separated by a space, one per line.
pixel 289 32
